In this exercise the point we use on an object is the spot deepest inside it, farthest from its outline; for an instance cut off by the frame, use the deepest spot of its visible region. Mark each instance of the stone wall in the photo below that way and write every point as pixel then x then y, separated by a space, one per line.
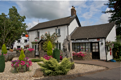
pixel 42 53
pixel 88 56
pixel 27 54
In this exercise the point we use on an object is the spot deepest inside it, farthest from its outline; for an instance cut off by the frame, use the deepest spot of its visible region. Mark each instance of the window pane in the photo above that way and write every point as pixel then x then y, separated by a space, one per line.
pixel 59 31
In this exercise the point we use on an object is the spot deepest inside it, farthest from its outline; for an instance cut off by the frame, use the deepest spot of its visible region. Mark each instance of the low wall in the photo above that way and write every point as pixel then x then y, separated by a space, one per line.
pixel 88 56
pixel 27 54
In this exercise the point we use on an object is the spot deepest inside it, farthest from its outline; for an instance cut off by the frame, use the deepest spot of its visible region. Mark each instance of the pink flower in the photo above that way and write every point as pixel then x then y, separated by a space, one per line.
pixel 12 65
pixel 27 65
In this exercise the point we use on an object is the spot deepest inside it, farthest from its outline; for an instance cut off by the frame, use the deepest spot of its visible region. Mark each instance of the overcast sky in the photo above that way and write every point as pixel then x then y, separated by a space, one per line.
pixel 89 12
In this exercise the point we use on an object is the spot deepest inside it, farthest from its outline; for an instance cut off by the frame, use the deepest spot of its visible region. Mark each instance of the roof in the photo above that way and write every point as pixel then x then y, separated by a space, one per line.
pixel 55 23
pixel 91 32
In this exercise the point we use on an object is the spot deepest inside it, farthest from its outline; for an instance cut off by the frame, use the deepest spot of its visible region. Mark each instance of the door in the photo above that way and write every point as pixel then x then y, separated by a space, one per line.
pixel 95 50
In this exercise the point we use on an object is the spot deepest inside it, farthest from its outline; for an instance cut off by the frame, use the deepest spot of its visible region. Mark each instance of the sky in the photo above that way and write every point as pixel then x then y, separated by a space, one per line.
pixel 89 12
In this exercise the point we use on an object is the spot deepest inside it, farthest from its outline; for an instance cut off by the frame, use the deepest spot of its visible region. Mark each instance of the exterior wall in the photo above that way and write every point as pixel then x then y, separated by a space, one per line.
pixel 102 49
pixel 63 33
pixel 72 26
pixel 22 43
pixel 111 37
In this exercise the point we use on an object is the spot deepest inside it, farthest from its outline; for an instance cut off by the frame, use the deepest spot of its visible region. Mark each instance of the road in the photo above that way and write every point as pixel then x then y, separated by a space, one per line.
pixel 111 74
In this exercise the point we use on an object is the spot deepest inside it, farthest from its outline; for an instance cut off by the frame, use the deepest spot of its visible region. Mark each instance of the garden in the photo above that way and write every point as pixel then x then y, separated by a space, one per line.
pixel 47 66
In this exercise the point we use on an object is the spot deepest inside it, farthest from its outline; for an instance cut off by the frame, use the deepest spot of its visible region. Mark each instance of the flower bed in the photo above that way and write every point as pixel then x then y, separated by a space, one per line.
pixel 21 66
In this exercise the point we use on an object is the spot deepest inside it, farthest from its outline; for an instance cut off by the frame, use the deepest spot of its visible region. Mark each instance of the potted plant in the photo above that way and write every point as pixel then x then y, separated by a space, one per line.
pixel 21 65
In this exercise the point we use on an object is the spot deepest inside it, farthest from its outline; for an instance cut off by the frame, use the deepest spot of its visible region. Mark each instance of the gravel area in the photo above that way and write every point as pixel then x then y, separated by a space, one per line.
pixel 8 75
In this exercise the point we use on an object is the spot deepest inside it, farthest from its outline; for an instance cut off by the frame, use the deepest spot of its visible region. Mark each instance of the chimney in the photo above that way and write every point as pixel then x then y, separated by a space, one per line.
pixel 73 11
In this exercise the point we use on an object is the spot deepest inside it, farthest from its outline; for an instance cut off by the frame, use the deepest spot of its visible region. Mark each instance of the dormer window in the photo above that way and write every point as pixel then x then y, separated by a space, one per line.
pixel 23 35
pixel 57 30
pixel 18 41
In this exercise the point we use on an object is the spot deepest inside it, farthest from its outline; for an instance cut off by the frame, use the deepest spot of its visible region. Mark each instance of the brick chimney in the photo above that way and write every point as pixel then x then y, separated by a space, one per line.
pixel 73 11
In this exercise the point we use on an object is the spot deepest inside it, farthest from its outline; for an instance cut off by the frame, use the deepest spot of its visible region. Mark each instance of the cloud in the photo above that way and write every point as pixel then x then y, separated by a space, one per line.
pixel 105 17
pixel 31 24
pixel 44 9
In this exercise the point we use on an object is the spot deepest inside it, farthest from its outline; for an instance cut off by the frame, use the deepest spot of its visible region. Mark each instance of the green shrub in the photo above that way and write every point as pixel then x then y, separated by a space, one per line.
pixel 49 49
pixel 36 60
pixel 22 55
pixel 2 63
pixel 52 67
pixel 56 54
pixel 4 50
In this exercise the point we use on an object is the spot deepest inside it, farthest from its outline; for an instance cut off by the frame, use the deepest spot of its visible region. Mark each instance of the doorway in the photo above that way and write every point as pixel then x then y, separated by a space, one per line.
pixel 95 50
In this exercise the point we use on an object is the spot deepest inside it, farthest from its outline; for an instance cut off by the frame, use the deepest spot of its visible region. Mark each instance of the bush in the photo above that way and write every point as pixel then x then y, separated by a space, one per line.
pixel 2 63
pixel 22 55
pixel 4 50
pixel 49 49
pixel 56 54
pixel 52 67
pixel 36 60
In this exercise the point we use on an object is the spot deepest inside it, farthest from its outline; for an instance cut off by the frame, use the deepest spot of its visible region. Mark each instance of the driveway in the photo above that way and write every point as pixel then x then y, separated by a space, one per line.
pixel 111 74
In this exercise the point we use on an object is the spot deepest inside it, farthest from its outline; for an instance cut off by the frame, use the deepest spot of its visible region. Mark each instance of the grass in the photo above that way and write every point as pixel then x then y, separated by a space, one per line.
pixel 36 60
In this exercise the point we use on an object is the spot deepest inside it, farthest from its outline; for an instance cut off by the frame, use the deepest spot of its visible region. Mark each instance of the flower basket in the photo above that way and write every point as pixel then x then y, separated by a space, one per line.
pixel 22 69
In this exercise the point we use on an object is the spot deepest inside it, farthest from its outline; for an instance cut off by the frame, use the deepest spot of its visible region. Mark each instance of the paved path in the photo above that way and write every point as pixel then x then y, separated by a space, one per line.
pixel 110 65
pixel 111 74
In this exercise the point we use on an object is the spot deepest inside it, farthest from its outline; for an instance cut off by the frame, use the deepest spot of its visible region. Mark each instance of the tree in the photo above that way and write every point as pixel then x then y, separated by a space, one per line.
pixel 115 10
pixel 11 26
pixel 22 55
pixel 48 38
pixel 49 49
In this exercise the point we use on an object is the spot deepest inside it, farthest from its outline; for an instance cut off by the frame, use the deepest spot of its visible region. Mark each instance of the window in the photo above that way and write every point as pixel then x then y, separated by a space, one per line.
pixel 25 41
pixel 18 46
pixel 57 30
pixel 18 41
pixel 84 47
pixel 23 35
pixel 58 45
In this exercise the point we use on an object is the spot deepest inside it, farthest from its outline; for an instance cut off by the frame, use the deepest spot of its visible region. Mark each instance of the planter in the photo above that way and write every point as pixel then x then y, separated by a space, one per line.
pixel 22 69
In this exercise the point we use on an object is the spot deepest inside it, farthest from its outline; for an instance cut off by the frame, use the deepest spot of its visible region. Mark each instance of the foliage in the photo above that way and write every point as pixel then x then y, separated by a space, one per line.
pixel 11 26
pixel 109 44
pixel 49 49
pixel 22 55
pixel 18 64
pixel 4 50
pixel 50 38
pixel 79 54
pixel 47 57
pixel 52 67
pixel 35 60
pixel 56 54
pixel 2 63
pixel 115 10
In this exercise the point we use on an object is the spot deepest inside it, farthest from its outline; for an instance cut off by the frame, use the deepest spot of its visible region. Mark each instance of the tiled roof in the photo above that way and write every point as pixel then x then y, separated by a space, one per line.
pixel 95 31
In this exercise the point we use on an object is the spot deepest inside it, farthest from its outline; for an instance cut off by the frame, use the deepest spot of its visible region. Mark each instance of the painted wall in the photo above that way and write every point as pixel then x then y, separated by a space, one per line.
pixel 72 26
pixel 63 33
pixel 102 49
pixel 111 37
pixel 22 43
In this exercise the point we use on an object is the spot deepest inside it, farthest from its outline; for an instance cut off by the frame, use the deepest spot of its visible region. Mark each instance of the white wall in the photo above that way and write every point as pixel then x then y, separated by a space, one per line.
pixel 63 33
pixel 22 43
pixel 72 26
pixel 102 49
pixel 111 37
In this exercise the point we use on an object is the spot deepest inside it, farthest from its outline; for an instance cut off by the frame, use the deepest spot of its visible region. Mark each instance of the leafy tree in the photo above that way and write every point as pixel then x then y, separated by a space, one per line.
pixel 11 26
pixel 48 38
pixel 115 10
pixel 4 50
pixel 49 49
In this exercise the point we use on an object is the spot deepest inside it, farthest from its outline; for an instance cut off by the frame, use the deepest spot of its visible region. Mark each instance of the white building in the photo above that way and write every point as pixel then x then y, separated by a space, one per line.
pixel 84 36
pixel 22 42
